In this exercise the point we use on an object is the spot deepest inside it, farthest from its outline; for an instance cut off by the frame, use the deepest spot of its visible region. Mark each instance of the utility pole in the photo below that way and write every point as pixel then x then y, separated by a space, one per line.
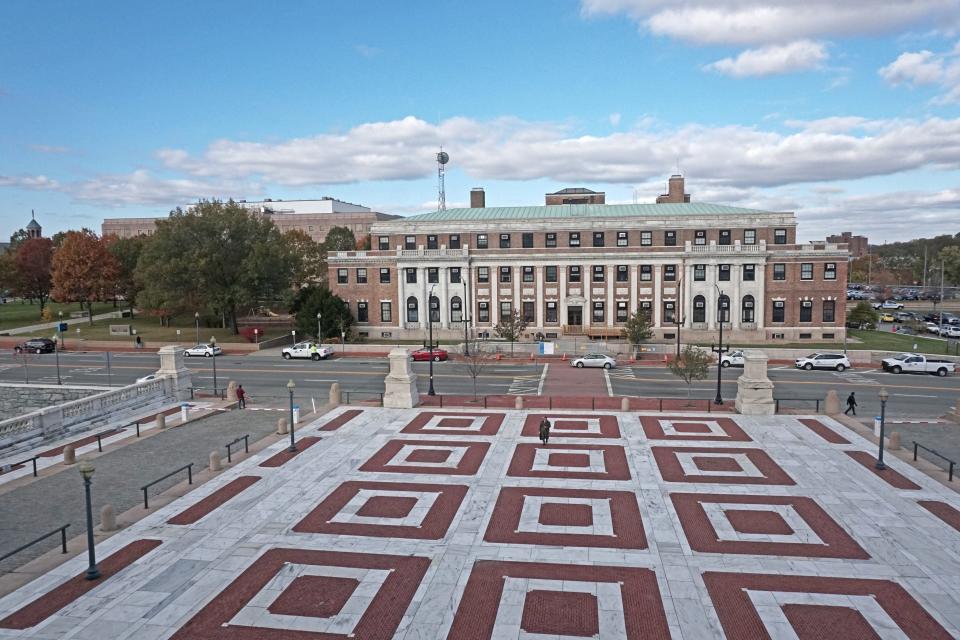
pixel 924 269
pixel 941 298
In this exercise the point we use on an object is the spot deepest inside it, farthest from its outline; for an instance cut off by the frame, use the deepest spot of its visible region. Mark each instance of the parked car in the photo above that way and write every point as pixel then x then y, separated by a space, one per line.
pixel 888 304
pixel 594 360
pixel 148 378
pixel 933 327
pixel 203 350
pixel 732 359
pixel 906 331
pixel 905 316
pixel 917 363
pixel 425 354
pixel 305 350
pixel 887 318
pixel 836 361
pixel 39 345
pixel 950 331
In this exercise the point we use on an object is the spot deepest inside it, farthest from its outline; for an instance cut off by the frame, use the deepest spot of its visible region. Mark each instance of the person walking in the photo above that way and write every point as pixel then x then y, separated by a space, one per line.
pixel 241 397
pixel 139 343
pixel 544 430
pixel 851 404
pixel 314 354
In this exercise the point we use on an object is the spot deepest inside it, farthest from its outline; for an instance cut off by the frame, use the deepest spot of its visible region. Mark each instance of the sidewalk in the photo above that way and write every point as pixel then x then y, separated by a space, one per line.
pixel 46 326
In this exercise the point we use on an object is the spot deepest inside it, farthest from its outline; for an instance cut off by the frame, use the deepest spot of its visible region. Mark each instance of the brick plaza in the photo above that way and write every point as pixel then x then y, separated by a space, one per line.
pixel 448 523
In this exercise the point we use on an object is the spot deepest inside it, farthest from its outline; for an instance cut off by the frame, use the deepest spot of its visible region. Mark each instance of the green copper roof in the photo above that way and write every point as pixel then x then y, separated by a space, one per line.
pixel 583 211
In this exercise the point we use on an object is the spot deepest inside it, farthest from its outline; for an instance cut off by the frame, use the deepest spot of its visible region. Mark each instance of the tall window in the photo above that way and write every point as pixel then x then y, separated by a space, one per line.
pixel 699 309
pixel 598 315
pixel 622 311
pixel 723 273
pixel 410 242
pixel 724 236
pixel 806 311
pixel 574 275
pixel 646 272
pixel 779 236
pixel 504 240
pixel 779 272
pixel 551 240
pixel 483 275
pixel 700 237
pixel 749 236
pixel 646 238
pixel 456 309
pixel 829 311
pixel 434 309
pixel 551 312
pixel 361 275
pixel 749 272
pixel 505 274
pixel 779 307
pixel 482 241
pixel 506 310
pixel 528 274
pixel 830 271
pixel 433 275
pixel 362 313
pixel 483 312
pixel 411 275
pixel 623 275
pixel 598 273
pixel 806 271
pixel 454 241
pixel 527 240
pixel 550 273
pixel 574 239
pixel 623 239
pixel 528 311
pixel 386 312
pixel 747 309
pixel 724 308
pixel 670 273
pixel 383 243
pixel 454 275
pixel 669 312
pixel 432 241
pixel 341 276
pixel 646 307
pixel 598 238
pixel 413 312
pixel 700 272
pixel 670 238
pixel 384 275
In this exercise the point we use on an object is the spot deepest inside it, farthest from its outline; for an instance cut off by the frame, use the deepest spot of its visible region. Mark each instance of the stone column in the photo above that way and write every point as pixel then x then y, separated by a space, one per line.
pixel 175 371
pixel 754 389
pixel 401 383
pixel 611 286
pixel 634 284
pixel 562 297
pixel 444 295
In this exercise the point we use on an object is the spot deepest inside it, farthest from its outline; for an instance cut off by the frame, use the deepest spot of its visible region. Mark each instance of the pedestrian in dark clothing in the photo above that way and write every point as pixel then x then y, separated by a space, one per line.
pixel 851 404
pixel 544 430
pixel 139 343
pixel 241 397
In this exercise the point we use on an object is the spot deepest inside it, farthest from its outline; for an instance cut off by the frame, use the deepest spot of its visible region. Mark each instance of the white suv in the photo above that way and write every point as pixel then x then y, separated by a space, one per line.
pixel 732 359
pixel 836 361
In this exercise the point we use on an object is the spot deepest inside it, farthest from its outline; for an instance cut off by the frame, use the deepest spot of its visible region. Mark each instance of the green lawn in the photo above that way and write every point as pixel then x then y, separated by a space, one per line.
pixel 21 314
pixel 863 340
pixel 150 331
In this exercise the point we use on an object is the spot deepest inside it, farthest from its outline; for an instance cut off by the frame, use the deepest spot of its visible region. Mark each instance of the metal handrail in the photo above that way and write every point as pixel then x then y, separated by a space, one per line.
pixel 246 445
pixel 25 461
pixel 63 542
pixel 188 467
pixel 917 445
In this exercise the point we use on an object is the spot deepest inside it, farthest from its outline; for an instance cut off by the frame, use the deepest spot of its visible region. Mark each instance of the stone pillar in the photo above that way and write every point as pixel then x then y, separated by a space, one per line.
pixel 215 462
pixel 893 442
pixel 69 454
pixel 518 403
pixel 282 426
pixel 754 389
pixel 160 421
pixel 232 391
pixel 831 404
pixel 108 518
pixel 625 404
pixel 401 383
pixel 335 396
pixel 176 372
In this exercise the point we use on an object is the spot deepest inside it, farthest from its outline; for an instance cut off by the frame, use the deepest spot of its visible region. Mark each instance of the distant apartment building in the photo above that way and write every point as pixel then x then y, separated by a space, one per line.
pixel 584 269
pixel 859 245
pixel 313 217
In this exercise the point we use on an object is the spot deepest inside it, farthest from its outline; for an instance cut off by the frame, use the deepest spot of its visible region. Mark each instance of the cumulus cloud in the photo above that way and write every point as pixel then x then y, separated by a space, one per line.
pixel 801 55
pixel 926 68
pixel 754 22
pixel 36 183
pixel 141 187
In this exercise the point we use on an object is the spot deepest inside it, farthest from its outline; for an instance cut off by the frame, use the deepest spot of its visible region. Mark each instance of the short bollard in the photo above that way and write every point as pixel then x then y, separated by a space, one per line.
pixel 108 519
pixel 232 391
pixel 282 426
pixel 184 409
pixel 69 454
pixel 518 403
pixel 893 443
pixel 215 463
pixel 161 421
pixel 335 395
pixel 831 404
pixel 625 404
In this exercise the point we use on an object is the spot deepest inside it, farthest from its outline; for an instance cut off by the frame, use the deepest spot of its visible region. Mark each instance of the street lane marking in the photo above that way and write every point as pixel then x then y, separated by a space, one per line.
pixel 913 395
pixel 543 376
pixel 606 378
pixel 312 380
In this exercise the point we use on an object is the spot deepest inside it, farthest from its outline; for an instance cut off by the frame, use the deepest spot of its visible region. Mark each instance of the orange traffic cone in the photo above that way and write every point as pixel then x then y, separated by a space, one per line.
pixel 531 355
pixel 499 356
pixel 564 358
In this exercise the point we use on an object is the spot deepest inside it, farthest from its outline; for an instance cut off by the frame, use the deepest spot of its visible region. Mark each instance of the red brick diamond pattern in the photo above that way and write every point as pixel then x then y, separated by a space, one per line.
pixel 559 612
pixel 314 596
pixel 572 426
pixel 693 428
pixel 720 459
pixel 454 424
pixel 614 462
pixel 425 451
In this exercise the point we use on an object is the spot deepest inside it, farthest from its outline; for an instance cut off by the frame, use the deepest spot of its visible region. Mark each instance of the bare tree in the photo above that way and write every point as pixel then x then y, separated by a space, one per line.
pixel 690 366
pixel 476 361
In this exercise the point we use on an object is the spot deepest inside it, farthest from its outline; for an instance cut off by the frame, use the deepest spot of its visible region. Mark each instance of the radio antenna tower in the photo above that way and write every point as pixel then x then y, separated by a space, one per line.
pixel 442 159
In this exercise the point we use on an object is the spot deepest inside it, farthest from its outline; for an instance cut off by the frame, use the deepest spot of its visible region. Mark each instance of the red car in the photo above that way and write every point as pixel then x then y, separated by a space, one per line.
pixel 424 354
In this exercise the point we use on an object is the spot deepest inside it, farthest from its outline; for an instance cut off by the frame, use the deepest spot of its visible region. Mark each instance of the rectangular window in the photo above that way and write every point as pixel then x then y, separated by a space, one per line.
pixel 724 236
pixel 362 315
pixel 482 241
pixel 361 276
pixel 723 273
pixel 778 310
pixel 574 274
pixel 749 272
pixel 505 274
pixel 646 272
pixel 670 273
pixel 483 275
pixel 646 307
pixel 806 271
pixel 454 241
pixel 410 242
pixel 528 274
pixel 670 238
pixel 669 312
pixel 551 312
pixel 455 275
pixel 433 275
pixel 529 313
pixel 432 242
pixel 598 314
pixel 700 237
pixel 806 311
pixel 779 236
pixel 551 240
pixel 527 240
pixel 598 270
pixel 830 271
pixel 623 239
pixel 411 275
pixel 386 312
pixel 506 310
pixel 504 240
pixel 829 311
pixel 413 312
pixel 383 243
pixel 341 276
pixel 550 273
pixel 598 238
pixel 779 272
pixel 483 312
pixel 574 239
pixel 700 272
pixel 749 236
pixel 384 275
pixel 646 238
pixel 621 311
pixel 623 275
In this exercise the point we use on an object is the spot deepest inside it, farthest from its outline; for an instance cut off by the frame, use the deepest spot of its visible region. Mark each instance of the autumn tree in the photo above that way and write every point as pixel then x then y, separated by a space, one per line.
pixel 637 328
pixel 511 328
pixel 335 316
pixel 83 270
pixel 126 252
pixel 339 239
pixel 17 238
pixel 310 263
pixel 33 262
pixel 692 365
pixel 863 315
pixel 950 257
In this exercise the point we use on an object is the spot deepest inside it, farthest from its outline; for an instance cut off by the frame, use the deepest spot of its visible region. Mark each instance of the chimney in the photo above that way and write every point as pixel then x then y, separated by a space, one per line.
pixel 478 198
pixel 674 191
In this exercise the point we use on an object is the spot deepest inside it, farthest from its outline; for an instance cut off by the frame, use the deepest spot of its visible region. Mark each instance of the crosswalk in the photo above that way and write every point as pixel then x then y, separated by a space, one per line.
pixel 524 385
pixel 855 378
pixel 622 373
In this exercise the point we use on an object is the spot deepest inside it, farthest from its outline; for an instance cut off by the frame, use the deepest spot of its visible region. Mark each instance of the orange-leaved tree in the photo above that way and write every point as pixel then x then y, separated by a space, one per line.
pixel 83 270
pixel 33 262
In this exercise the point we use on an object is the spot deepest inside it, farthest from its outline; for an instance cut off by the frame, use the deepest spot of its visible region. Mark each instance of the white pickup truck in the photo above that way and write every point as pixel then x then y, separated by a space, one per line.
pixel 916 363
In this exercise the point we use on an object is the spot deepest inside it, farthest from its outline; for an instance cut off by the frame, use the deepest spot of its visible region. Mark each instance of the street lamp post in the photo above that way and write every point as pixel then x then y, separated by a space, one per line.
pixel 677 310
pixel 58 346
pixel 213 344
pixel 430 391
pixel 60 329
pixel 319 333
pixel 86 470
pixel 293 445
pixel 719 349
pixel 883 415
pixel 466 326
pixel 196 317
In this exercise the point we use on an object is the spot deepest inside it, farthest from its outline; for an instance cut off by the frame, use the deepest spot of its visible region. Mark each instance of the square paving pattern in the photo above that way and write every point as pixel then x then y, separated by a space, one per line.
pixel 416 525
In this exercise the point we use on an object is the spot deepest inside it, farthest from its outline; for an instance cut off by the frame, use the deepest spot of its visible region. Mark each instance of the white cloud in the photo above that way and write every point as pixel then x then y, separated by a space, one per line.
pixel 914 68
pixel 36 183
pixel 801 55
pixel 615 119
pixel 140 187
pixel 753 22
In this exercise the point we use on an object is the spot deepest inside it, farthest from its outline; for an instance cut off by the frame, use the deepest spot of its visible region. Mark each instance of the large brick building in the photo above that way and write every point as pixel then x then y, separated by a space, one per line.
pixel 583 269
pixel 858 246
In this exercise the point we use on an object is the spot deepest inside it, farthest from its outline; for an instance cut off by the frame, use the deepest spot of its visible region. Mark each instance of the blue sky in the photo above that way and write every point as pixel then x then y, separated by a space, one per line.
pixel 846 115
